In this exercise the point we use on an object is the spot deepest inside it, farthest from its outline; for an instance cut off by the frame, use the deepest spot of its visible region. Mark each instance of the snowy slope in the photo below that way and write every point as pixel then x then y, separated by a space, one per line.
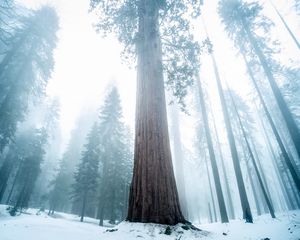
pixel 285 227
pixel 67 227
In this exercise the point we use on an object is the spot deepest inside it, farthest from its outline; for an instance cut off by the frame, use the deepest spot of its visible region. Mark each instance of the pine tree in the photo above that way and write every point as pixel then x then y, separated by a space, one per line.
pixel 115 159
pixel 87 170
pixel 59 194
pixel 25 68
pixel 61 186
pixel 154 31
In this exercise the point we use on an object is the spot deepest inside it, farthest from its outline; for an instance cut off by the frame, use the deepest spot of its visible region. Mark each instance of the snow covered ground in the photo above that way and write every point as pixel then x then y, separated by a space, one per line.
pixel 67 227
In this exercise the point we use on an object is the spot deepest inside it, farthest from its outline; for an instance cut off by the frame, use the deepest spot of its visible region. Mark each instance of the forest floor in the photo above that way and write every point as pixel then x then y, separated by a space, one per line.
pixel 39 226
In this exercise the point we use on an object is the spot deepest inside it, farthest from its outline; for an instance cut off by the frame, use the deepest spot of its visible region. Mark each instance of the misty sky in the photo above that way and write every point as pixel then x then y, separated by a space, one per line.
pixel 86 64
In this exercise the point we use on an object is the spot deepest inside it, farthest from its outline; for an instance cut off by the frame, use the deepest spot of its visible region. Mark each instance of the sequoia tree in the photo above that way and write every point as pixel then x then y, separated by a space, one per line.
pixel 157 32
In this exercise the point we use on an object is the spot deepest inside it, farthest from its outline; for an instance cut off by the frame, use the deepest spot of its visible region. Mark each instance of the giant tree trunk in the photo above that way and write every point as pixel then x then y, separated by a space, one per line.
pixel 286 157
pixel 247 215
pixel 153 194
pixel 286 113
pixel 214 166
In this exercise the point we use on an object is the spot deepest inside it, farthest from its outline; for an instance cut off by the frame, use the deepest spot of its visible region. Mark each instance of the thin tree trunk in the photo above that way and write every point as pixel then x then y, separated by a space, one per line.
pixel 13 185
pixel 261 170
pixel 101 215
pixel 250 176
pixel 153 194
pixel 5 172
pixel 263 176
pixel 274 129
pixel 288 150
pixel 83 206
pixel 112 208
pixel 292 188
pixel 125 201
pixel 286 26
pixel 247 215
pixel 21 197
pixel 178 157
pixel 209 213
pixel 284 190
pixel 2 190
pixel 228 192
pixel 286 113
pixel 255 195
pixel 211 191
pixel 214 167
pixel 267 199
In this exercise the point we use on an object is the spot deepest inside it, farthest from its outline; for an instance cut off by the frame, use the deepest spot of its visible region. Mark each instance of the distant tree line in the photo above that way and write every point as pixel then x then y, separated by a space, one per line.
pixel 99 183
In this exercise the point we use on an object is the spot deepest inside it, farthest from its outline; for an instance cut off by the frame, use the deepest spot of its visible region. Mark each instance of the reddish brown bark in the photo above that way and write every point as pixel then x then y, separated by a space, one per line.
pixel 153 194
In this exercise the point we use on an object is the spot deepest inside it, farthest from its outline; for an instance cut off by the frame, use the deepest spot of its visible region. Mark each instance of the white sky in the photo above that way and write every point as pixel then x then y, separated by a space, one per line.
pixel 85 63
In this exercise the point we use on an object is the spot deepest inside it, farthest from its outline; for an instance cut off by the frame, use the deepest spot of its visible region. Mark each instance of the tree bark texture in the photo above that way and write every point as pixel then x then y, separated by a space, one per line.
pixel 153 194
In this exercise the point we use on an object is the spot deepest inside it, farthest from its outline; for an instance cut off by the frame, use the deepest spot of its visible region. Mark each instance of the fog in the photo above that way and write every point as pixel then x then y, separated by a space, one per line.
pixel 88 111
